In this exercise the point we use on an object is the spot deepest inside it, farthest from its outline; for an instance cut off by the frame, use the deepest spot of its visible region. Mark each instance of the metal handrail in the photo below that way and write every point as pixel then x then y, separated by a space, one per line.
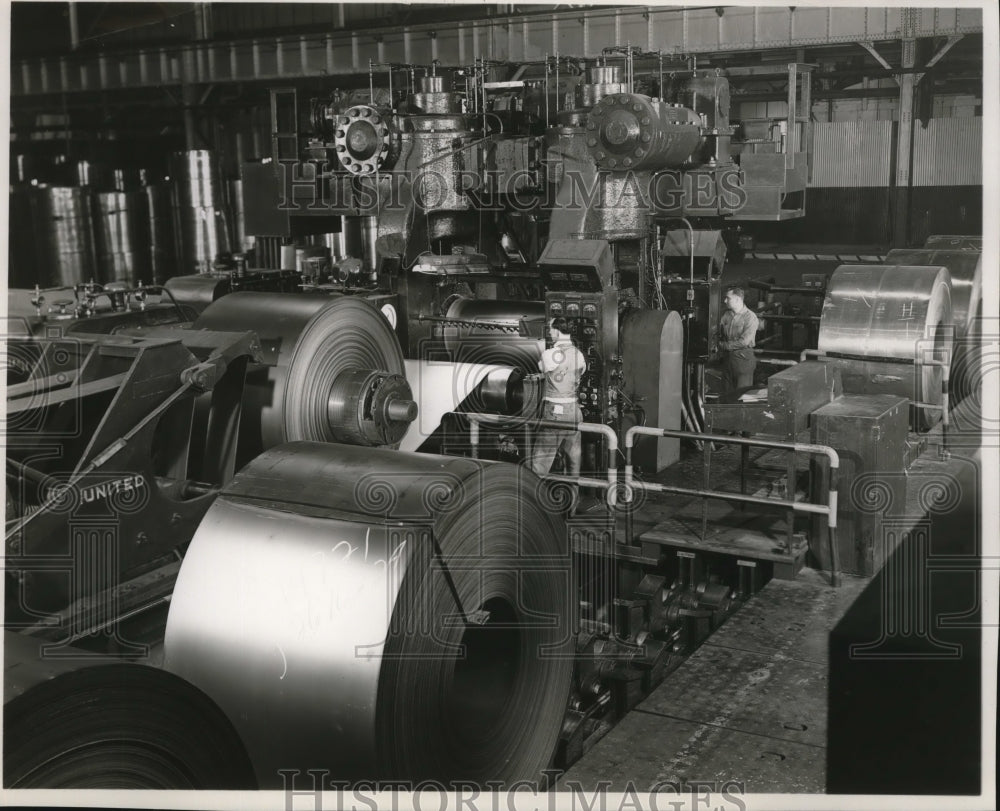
pixel 477 419
pixel 829 509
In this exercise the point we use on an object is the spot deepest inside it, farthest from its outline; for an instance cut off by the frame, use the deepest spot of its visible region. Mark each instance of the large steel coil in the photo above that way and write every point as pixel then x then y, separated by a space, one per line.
pixel 72 724
pixel 122 237
pixel 966 269
pixel 381 614
pixel 201 222
pixel 332 371
pixel 509 333
pixel 885 322
pixel 162 246
pixel 64 236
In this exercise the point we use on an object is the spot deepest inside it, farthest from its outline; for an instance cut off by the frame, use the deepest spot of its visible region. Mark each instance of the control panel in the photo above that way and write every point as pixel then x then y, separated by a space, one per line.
pixel 584 316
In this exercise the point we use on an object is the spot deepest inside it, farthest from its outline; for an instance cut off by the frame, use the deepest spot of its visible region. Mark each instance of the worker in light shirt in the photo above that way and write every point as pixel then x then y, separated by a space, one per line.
pixel 562 365
pixel 737 337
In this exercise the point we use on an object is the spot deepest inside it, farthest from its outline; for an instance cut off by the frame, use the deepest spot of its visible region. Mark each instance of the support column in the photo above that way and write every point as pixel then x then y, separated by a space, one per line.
pixel 902 195
pixel 74 27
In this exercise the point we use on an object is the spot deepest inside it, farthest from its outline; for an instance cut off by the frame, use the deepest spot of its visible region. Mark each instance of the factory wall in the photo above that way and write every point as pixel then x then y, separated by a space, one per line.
pixel 852 183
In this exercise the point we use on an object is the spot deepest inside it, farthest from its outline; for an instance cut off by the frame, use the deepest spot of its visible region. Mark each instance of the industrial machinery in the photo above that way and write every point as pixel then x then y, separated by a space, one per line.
pixel 231 470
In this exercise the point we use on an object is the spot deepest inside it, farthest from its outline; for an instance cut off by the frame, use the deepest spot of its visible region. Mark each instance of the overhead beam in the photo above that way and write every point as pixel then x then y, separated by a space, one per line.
pixel 678 31
pixel 870 47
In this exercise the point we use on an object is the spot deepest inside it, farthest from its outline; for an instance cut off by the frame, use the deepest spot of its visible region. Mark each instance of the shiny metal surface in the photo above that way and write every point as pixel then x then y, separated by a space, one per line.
pixel 201 222
pixel 311 607
pixel 240 240
pixel 307 342
pixel 509 333
pixel 889 313
pixel 94 175
pixel 121 226
pixel 364 140
pixel 64 237
pixel 631 131
pixel 601 81
pixel 162 244
pixel 966 269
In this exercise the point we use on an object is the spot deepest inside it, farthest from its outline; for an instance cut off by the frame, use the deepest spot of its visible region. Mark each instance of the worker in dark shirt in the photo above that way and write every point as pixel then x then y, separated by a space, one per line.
pixel 737 337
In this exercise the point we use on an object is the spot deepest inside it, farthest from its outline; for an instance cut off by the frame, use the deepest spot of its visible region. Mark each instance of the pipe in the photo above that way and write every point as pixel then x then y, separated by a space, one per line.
pixel 829 509
pixel 475 419
pixel 74 27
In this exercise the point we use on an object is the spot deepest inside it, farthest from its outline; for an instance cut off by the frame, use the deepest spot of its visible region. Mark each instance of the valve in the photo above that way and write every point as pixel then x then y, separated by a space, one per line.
pixel 38 301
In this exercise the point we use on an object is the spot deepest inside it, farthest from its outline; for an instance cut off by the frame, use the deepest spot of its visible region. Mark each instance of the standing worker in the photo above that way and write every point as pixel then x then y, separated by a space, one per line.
pixel 563 365
pixel 738 335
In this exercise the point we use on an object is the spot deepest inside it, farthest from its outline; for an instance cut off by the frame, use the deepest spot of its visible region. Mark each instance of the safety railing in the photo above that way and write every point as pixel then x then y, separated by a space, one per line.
pixel 610 484
pixel 829 509
pixel 630 483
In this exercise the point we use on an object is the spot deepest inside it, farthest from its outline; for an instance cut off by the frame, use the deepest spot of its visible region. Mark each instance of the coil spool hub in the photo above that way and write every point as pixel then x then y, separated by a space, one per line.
pixel 361 139
pixel 332 370
pixel 371 407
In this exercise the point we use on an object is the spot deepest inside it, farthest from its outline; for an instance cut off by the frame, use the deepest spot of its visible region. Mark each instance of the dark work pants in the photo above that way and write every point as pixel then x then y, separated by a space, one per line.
pixel 738 369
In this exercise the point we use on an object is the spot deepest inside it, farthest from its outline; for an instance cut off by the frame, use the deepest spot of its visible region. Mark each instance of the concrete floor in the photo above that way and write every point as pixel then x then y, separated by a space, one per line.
pixel 748 706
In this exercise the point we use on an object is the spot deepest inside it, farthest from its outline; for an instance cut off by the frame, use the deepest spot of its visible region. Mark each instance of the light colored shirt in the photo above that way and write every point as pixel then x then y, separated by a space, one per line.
pixel 563 366
pixel 738 330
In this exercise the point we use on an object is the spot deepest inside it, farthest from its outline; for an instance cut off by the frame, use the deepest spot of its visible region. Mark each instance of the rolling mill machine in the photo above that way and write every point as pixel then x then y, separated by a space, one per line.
pixel 232 469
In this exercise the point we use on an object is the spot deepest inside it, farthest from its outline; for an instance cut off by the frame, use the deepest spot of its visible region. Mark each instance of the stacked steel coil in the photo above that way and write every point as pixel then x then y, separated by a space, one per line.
pixel 64 239
pixel 200 215
pixel 122 237
pixel 162 245
pixel 391 634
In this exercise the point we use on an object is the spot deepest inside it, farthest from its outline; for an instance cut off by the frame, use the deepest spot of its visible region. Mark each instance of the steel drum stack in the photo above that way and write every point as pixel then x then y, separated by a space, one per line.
pixel 201 220
pixel 122 234
pixel 64 238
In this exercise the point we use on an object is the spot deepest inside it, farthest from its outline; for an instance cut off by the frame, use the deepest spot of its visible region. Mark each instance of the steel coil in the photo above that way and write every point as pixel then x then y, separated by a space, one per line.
pixel 363 620
pixel 64 235
pixel 332 370
pixel 122 237
pixel 200 212
pixel 883 320
pixel 508 333
pixel 162 247
pixel 966 269
pixel 72 724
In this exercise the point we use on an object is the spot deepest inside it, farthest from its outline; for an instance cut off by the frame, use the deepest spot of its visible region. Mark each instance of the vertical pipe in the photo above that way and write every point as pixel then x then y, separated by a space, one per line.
pixel 74 27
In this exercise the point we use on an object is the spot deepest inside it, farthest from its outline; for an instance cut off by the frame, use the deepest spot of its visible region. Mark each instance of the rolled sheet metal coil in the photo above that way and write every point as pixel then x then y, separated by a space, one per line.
pixel 123 237
pixel 162 245
pixel 884 319
pixel 319 606
pixel 71 723
pixel 64 235
pixel 966 270
pixel 200 211
pixel 319 353
pixel 508 333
